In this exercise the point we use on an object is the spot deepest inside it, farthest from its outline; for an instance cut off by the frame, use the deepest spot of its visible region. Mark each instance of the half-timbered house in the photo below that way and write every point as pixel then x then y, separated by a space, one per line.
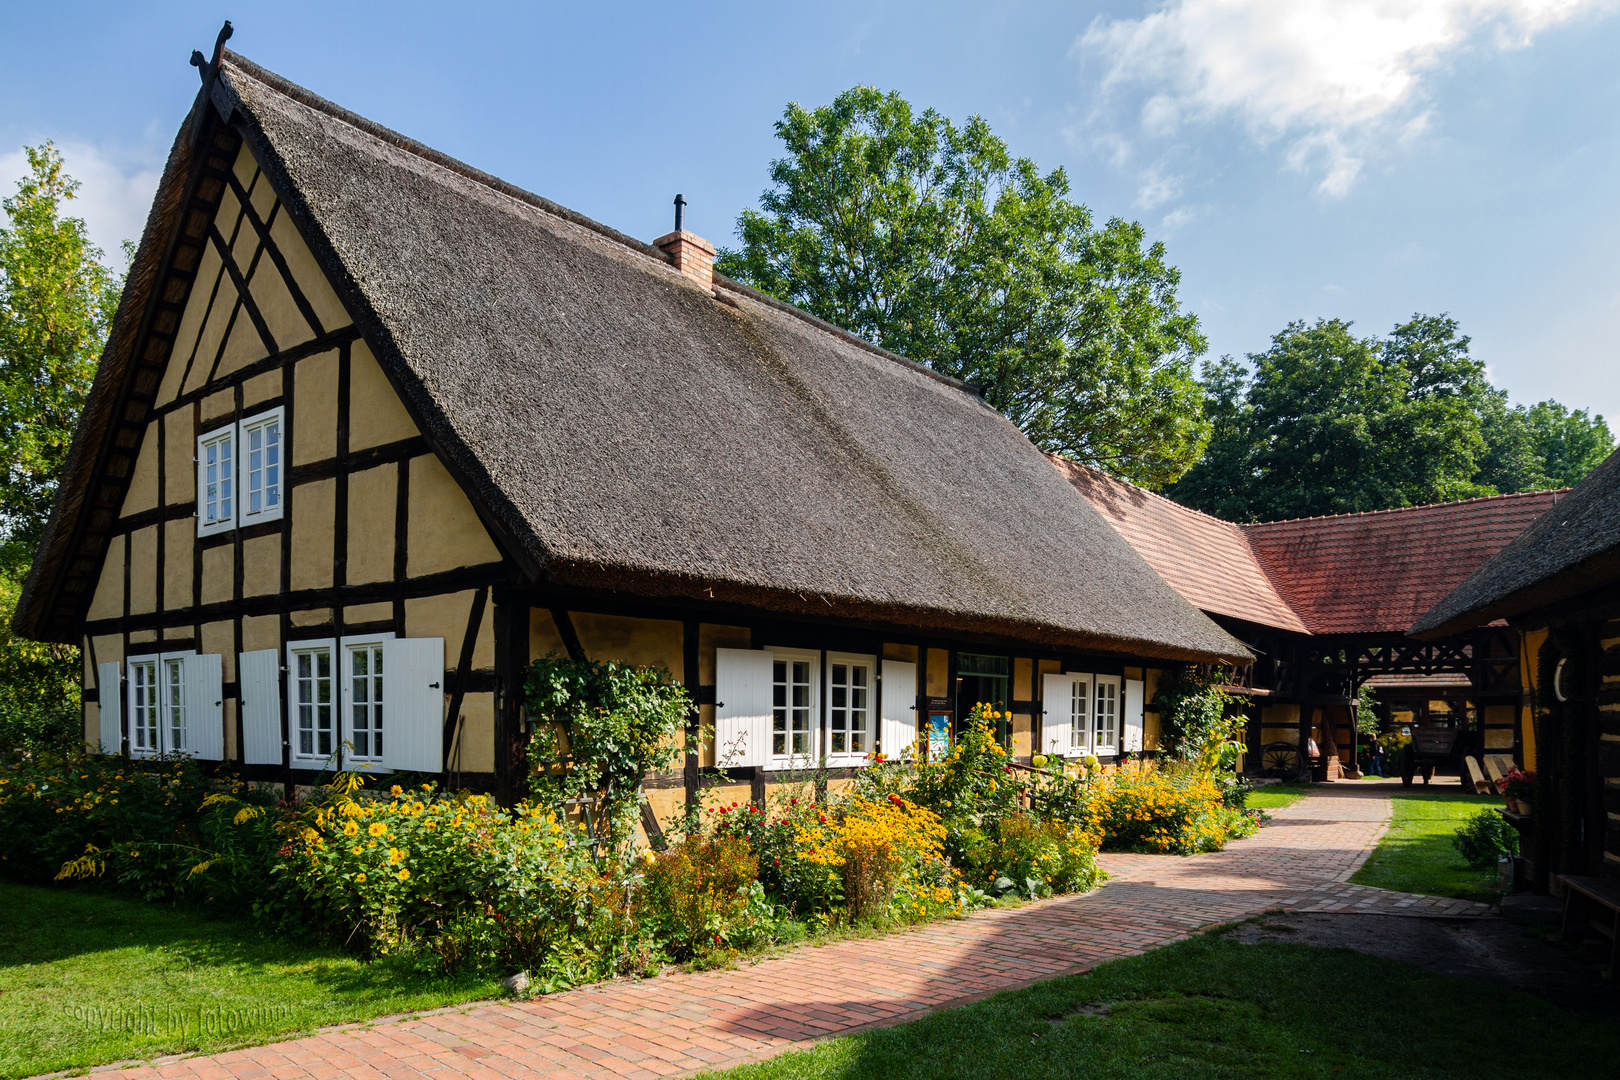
pixel 375 429
pixel 1559 585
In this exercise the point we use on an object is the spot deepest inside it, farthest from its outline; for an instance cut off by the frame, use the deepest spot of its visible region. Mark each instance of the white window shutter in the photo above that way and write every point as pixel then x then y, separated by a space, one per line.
pixel 742 703
pixel 110 695
pixel 413 705
pixel 258 675
pixel 899 708
pixel 205 706
pixel 1132 739
pixel 1057 699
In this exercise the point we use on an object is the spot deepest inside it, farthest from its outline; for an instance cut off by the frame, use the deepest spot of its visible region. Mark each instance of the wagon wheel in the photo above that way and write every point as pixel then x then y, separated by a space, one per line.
pixel 1281 760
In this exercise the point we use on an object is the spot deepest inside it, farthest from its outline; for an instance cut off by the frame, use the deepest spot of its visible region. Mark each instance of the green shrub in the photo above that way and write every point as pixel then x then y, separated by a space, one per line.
pixel 162 829
pixel 703 896
pixel 1484 838
pixel 1034 857
pixel 461 884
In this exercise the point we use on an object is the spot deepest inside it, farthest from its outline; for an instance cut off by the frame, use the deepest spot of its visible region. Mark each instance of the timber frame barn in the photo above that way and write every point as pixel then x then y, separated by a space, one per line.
pixel 1325 604
pixel 373 430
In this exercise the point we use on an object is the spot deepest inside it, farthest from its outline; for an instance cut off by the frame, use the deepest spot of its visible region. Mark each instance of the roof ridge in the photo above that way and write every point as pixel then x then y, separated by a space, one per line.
pixel 307 97
pixel 1401 509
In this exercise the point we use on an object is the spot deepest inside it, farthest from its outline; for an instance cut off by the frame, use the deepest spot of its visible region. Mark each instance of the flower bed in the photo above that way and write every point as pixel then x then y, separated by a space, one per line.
pixel 452 882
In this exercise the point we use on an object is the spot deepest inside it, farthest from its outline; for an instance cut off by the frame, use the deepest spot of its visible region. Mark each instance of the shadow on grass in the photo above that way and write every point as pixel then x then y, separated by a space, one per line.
pixel 1210 1007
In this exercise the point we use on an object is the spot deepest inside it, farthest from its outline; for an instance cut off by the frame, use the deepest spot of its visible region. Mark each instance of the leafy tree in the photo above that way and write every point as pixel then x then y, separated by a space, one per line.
pixel 929 239
pixel 57 300
pixel 1329 423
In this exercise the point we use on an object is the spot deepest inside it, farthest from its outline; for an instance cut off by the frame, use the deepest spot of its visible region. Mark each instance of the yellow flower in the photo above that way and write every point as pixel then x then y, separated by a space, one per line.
pixel 360 877
pixel 357 849
pixel 350 828
pixel 376 828
pixel 403 873
pixel 396 790
pixel 395 855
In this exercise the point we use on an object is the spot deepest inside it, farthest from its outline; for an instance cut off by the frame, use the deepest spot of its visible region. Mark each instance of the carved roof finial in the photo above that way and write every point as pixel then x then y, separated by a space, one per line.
pixel 208 68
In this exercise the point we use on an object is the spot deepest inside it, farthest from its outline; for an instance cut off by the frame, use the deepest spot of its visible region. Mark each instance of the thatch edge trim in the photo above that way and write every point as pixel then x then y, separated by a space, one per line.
pixel 63 527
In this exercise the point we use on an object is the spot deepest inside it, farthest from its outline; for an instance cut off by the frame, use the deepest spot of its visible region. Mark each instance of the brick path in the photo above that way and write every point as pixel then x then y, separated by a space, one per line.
pixel 682 1023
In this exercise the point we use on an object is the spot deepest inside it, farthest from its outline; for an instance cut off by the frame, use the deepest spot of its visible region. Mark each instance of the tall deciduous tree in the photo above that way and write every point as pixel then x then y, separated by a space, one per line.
pixel 929 239
pixel 57 300
pixel 1329 423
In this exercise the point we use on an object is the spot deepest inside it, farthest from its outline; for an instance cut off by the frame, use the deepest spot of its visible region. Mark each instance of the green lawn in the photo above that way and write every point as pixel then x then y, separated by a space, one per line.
pixel 88 978
pixel 1276 796
pixel 1416 855
pixel 1209 1007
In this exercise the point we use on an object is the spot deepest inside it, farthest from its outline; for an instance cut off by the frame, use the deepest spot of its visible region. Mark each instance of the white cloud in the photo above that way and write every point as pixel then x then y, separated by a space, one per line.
pixel 1156 188
pixel 1323 75
pixel 115 191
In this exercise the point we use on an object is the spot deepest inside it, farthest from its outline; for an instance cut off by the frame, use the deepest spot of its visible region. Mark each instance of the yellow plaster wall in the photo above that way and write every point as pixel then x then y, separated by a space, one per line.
pixel 108 601
pixel 712 637
pixel 476 740
pixel 368 613
pixel 178 540
pixel 1530 662
pixel 376 415
pixel 217 408
pixel 259 389
pixel 209 268
pixel 1023 677
pixel 656 642
pixel 445 532
pixel 446 616
pixel 315 408
pixel 904 653
pixel 180 456
pixel 261 632
pixel 143 492
pixel 287 324
pixel 311 281
pixel 373 496
pixel 312 617
pixel 543 636
pixel 261 565
pixel 313 533
pixel 143 570
pixel 939 673
pixel 218 573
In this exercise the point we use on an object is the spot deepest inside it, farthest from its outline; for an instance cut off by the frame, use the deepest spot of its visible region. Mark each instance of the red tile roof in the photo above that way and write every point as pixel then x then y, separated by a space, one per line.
pixel 1377 572
pixel 1344 574
pixel 1205 559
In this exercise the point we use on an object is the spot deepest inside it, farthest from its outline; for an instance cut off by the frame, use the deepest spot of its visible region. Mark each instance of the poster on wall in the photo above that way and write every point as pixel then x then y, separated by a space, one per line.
pixel 939 736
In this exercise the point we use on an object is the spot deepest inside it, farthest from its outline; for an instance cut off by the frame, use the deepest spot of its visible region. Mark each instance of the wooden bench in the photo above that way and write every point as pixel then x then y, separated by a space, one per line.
pixel 1474 776
pixel 1585 899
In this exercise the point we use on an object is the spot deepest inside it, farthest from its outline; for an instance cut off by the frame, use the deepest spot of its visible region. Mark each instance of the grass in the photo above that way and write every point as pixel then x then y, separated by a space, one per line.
pixel 1416 854
pixel 1276 796
pixel 88 978
pixel 1212 1008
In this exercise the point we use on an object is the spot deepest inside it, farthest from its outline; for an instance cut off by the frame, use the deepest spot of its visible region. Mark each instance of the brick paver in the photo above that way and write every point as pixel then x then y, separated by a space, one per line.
pixel 680 1023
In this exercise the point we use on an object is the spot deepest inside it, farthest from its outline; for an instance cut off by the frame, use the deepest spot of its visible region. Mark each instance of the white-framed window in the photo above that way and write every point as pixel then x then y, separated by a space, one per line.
pixel 1105 715
pixel 363 700
pixel 143 708
pixel 216 481
pixel 261 467
pixel 335 700
pixel 1079 726
pixel 312 711
pixel 175 705
pixel 851 707
pixel 241 473
pixel 795 705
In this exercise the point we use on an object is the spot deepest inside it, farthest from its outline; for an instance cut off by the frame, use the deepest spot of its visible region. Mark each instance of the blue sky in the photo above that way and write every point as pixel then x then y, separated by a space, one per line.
pixel 1363 159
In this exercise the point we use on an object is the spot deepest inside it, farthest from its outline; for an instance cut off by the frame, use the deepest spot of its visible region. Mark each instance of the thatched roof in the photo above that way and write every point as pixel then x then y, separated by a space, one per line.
pixel 622 427
pixel 1572 548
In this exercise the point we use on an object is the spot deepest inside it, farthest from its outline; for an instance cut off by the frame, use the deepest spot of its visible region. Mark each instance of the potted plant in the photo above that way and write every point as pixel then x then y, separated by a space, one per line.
pixel 1519 787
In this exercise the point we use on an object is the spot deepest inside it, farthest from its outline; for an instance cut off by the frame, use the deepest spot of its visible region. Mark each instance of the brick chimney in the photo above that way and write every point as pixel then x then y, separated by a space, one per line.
pixel 694 256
